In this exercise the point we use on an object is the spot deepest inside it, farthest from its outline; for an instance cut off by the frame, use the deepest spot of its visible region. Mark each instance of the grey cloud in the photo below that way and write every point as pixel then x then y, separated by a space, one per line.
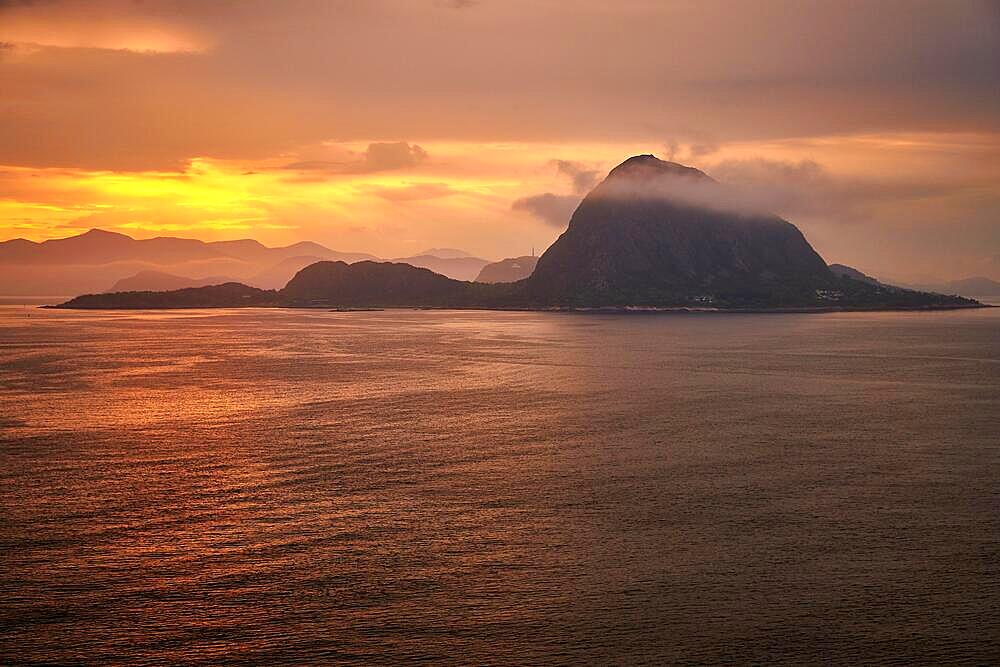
pixel 377 157
pixel 691 149
pixel 806 188
pixel 670 150
pixel 582 177
pixel 396 155
pixel 552 209
pixel 702 150
pixel 301 72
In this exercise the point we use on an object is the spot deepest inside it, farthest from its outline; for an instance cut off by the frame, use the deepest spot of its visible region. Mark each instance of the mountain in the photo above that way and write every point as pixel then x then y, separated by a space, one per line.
pixel 446 253
pixel 327 284
pixel 969 287
pixel 508 270
pixel 91 261
pixel 373 284
pixel 228 295
pixel 387 284
pixel 277 276
pixel 101 247
pixel 158 281
pixel 651 234
pixel 850 272
pixel 978 286
pixel 459 268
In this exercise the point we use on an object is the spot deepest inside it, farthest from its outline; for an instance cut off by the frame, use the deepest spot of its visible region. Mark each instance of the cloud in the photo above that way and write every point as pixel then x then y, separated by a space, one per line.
pixel 120 25
pixel 456 4
pixel 693 149
pixel 697 151
pixel 377 157
pixel 789 188
pixel 303 72
pixel 397 155
pixel 807 188
pixel 582 177
pixel 552 209
pixel 786 187
pixel 415 192
pixel 670 150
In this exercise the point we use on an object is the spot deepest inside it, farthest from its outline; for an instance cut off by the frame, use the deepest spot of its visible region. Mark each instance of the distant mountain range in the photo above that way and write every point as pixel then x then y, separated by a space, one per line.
pixel 102 261
pixel 653 234
pixel 968 287
pixel 445 253
pixel 96 260
pixel 976 286
pixel 158 281
pixel 101 247
pixel 459 268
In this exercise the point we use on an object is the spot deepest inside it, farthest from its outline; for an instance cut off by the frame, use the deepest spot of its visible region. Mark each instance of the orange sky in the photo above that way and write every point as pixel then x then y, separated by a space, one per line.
pixel 390 127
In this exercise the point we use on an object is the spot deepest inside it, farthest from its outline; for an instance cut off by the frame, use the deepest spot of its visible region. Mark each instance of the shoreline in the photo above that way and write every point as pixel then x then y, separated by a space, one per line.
pixel 596 310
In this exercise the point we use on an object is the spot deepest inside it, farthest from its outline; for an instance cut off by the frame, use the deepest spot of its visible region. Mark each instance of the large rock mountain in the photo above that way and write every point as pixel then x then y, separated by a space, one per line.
pixel 659 233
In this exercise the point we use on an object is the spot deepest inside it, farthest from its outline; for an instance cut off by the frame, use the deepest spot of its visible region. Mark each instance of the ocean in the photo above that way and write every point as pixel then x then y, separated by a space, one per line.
pixel 459 487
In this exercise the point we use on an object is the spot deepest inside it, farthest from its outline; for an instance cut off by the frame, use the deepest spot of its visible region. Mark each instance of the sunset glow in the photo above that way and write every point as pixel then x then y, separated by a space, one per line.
pixel 210 122
pixel 499 332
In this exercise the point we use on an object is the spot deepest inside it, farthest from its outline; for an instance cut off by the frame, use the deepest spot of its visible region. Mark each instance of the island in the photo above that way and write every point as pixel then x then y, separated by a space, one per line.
pixel 653 235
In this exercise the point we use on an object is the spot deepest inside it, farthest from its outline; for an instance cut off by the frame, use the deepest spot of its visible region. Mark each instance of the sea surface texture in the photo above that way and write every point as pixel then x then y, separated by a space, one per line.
pixel 301 487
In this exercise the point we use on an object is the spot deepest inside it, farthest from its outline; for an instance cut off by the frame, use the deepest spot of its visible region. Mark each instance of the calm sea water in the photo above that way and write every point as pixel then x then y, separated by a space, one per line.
pixel 269 486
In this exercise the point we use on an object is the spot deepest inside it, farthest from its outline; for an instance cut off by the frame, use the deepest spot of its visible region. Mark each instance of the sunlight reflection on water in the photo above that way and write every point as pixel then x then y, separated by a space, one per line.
pixel 298 486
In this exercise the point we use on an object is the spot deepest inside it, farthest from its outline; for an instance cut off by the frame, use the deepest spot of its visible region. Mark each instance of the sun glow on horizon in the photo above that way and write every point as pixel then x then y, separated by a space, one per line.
pixel 462 194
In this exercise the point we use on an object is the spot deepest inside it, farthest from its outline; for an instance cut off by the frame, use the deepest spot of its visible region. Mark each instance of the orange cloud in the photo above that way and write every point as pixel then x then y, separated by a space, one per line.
pixel 284 120
pixel 89 25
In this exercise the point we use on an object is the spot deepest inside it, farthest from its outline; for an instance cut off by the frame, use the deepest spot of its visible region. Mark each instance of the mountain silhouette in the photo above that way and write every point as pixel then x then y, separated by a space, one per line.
pixel 976 286
pixel 227 295
pixel 100 247
pixel 98 258
pixel 508 270
pixel 158 281
pixel 850 272
pixel 378 284
pixel 652 234
pixel 277 276
pixel 459 268
pixel 446 253
pixel 659 233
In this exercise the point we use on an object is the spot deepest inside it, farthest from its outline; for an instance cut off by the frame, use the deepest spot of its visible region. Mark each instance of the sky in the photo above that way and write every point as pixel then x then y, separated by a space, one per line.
pixel 393 126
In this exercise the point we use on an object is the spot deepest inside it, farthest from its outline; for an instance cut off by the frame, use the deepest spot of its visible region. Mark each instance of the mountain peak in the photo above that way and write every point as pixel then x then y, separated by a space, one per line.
pixel 656 232
pixel 96 233
pixel 445 253
pixel 650 166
